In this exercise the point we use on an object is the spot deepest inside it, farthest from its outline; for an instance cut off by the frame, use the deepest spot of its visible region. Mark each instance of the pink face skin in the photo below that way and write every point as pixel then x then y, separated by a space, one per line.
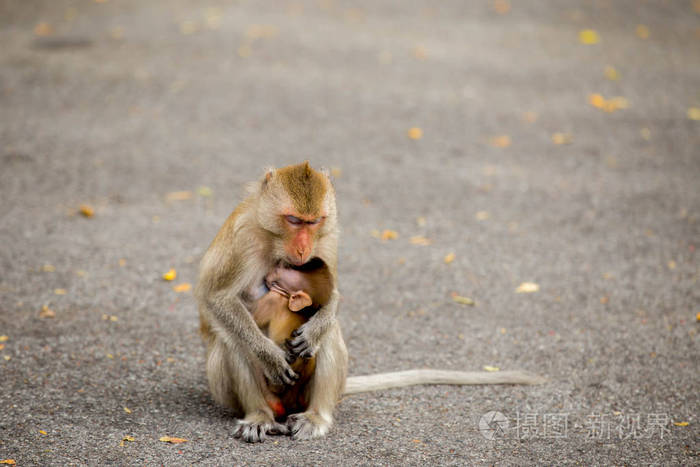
pixel 301 234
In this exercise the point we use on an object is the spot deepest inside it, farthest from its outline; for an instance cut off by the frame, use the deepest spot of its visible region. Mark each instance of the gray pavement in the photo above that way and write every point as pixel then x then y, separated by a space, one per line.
pixel 118 104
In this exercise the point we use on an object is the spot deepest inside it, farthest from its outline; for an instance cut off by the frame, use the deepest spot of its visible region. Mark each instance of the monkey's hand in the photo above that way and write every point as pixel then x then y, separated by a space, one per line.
pixel 276 369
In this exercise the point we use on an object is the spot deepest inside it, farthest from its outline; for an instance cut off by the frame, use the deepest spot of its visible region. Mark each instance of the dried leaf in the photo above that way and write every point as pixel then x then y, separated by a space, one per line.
pixel 588 36
pixel 86 210
pixel 694 113
pixel 681 423
pixel 184 287
pixel 501 7
pixel 672 265
pixel 7 358
pixel 415 133
pixel 42 432
pixel 129 439
pixel 8 461
pixel 48 268
pixel 122 262
pixel 188 27
pixel 60 291
pixel 420 52
pixel 47 312
pixel 611 73
pixel 420 240
pixel 463 300
pixel 502 141
pixel 178 195
pixel 482 215
pixel 421 221
pixel 43 29
pixel 562 138
pixel 697 317
pixel 127 410
pixel 449 258
pixel 205 191
pixel 4 338
pixel 389 235
pixel 171 440
pixel 527 287
pixel 642 31
pixel 491 368
pixel 170 275
pixel 2 346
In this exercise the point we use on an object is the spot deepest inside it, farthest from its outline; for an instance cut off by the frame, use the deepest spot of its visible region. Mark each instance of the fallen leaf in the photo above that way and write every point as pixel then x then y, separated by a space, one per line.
pixel 389 235
pixel 244 51
pixel 527 287
pixel 7 358
pixel 420 240
pixel 122 262
pixel 420 52
pixel 491 368
pixel 415 133
pixel 188 27
pixel 462 300
pixel 171 440
pixel 596 100
pixel 47 312
pixel 184 287
pixel 43 29
pixel 2 346
pixel 604 300
pixel 86 210
pixel 127 410
pixel 697 316
pixel 611 73
pixel 672 265
pixel 170 275
pixel 588 36
pixel 530 117
pixel 562 138
pixel 681 423
pixel 110 356
pixel 694 113
pixel 42 432
pixel 449 258
pixel 48 268
pixel 8 461
pixel 645 133
pixel 501 7
pixel 178 195
pixel 4 338
pixel 129 439
pixel 60 291
pixel 502 141
pixel 482 215
pixel 642 31
pixel 204 191
pixel 421 221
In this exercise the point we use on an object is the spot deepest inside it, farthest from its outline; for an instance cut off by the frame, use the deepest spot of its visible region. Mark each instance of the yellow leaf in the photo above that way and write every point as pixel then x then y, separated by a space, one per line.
pixel 48 268
pixel 170 275
pixel 4 338
pixel 130 439
pixel 642 31
pixel 122 262
pixel 502 141
pixel 491 368
pixel 611 73
pixel 205 191
pixel 681 423
pixel 645 133
pixel 43 29
pixel 420 240
pixel 86 210
pixel 420 52
pixel 449 258
pixel 7 358
pixel 42 432
pixel 415 133
pixel 178 195
pixel 184 287
pixel 482 215
pixel 113 319
pixel 694 113
pixel 47 312
pixel 389 235
pixel 2 346
pixel 127 410
pixel 171 440
pixel 188 27
pixel 596 100
pixel 110 356
pixel 8 461
pixel 588 36
pixel 421 221
pixel 60 291
pixel 462 300
pixel 527 287
pixel 619 102
pixel 530 117
pixel 562 138
pixel 672 265
pixel 501 7
pixel 697 316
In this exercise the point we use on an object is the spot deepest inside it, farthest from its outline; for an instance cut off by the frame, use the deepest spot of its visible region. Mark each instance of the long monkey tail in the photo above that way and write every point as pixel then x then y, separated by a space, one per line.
pixel 398 379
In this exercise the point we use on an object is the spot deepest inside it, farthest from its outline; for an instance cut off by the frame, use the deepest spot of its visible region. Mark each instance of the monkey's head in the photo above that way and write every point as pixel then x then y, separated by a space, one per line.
pixel 297 205
pixel 309 285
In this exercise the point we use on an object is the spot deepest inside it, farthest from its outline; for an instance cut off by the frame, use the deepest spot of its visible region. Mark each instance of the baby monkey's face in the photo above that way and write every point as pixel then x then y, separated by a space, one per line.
pixel 289 280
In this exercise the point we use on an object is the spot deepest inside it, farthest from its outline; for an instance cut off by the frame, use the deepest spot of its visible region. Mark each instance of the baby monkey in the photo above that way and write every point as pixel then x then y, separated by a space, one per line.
pixel 295 294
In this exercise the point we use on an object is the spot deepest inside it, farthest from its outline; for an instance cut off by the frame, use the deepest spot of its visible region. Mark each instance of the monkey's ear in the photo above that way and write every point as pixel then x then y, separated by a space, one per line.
pixel 268 175
pixel 299 300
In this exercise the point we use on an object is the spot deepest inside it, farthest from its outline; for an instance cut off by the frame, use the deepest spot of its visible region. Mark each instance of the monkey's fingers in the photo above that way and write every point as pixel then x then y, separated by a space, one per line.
pixel 299 346
pixel 290 377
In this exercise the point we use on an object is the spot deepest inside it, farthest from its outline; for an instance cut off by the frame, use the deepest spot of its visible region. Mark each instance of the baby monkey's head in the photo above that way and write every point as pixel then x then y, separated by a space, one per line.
pixel 308 285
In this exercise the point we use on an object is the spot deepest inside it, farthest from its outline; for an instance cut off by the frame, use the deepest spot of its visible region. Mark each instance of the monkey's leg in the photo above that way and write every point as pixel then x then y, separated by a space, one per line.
pixel 233 383
pixel 327 384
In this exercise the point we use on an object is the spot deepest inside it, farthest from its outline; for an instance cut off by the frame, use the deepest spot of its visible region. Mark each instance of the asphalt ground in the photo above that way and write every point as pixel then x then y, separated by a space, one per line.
pixel 155 114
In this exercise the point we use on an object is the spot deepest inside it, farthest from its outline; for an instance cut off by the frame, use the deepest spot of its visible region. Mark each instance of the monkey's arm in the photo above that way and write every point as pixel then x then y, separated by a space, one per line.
pixel 231 318
pixel 355 384
pixel 307 337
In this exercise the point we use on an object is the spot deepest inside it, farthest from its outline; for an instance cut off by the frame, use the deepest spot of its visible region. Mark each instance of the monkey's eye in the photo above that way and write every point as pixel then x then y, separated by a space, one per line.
pixel 315 221
pixel 294 220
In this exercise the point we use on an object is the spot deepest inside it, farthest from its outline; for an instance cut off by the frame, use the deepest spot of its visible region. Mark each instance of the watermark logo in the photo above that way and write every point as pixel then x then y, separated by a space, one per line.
pixel 493 425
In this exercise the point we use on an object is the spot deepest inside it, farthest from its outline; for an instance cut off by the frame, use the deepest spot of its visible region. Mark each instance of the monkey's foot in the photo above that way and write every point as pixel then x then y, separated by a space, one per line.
pixel 255 428
pixel 308 425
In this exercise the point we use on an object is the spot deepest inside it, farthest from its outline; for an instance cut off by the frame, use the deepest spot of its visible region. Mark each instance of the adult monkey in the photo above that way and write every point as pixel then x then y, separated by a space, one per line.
pixel 290 215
